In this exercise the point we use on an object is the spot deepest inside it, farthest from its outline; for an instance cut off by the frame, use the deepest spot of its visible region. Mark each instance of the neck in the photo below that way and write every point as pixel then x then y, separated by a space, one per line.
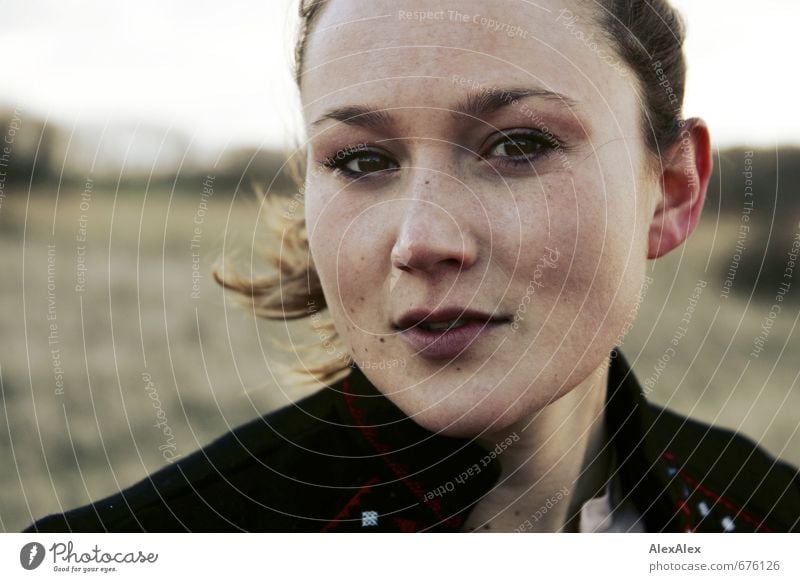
pixel 559 462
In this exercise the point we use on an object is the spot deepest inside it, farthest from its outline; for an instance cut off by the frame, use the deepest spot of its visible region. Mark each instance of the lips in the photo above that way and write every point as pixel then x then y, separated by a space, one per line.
pixel 416 316
pixel 465 327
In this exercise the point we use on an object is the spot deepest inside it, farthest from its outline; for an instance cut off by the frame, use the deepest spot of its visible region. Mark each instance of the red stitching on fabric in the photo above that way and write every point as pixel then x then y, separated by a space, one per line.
pixel 398 469
pixel 683 507
pixel 717 497
pixel 345 511
pixel 405 525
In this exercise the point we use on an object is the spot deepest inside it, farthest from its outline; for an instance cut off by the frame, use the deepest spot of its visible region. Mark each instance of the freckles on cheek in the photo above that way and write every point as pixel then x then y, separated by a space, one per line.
pixel 347 266
pixel 355 265
pixel 584 229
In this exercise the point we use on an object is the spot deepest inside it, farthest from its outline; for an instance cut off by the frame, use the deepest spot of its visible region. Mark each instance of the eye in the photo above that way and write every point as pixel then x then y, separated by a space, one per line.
pixel 360 164
pixel 522 147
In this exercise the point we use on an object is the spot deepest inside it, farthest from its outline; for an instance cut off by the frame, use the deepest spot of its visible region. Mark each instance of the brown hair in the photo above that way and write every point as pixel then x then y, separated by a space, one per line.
pixel 648 36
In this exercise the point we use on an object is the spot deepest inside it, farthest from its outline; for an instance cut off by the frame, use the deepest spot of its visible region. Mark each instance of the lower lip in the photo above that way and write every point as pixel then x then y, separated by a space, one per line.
pixel 438 345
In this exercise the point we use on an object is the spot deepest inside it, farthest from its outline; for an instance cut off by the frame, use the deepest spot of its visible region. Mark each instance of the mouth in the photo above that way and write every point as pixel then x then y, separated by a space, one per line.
pixel 446 333
pixel 446 318
pixel 443 325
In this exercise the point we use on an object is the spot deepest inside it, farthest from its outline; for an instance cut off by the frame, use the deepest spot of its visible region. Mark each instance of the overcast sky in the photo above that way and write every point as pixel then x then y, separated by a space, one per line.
pixel 220 71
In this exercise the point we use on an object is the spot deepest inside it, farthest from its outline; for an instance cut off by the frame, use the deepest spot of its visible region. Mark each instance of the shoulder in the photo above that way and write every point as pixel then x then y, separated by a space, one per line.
pixel 240 482
pixel 725 477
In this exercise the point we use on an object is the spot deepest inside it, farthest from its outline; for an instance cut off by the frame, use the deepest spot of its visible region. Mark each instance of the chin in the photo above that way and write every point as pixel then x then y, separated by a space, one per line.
pixel 465 418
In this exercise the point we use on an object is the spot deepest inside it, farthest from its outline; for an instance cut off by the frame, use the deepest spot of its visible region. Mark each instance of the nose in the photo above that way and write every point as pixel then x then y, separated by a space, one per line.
pixel 433 238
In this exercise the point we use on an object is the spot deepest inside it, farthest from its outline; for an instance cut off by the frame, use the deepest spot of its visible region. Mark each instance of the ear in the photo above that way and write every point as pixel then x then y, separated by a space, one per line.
pixel 685 171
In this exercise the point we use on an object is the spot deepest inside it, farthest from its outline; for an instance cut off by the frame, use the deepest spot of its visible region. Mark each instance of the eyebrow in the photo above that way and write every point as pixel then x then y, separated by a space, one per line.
pixel 477 104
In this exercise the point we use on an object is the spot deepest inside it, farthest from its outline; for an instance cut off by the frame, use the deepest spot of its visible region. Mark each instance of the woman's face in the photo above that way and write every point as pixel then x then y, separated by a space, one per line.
pixel 483 160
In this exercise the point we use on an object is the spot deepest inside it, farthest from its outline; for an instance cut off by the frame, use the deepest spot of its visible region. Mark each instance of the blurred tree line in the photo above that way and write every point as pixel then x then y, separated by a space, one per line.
pixel 761 184
pixel 42 155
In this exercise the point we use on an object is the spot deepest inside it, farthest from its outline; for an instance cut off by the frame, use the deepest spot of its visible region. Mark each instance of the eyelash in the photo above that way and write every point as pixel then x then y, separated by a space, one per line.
pixel 338 163
pixel 547 144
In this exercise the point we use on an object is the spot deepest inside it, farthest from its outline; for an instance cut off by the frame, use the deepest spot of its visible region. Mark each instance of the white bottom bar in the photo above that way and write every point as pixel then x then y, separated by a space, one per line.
pixel 401 557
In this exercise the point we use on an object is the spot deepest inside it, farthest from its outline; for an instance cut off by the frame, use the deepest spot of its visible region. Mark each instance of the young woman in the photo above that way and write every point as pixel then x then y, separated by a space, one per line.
pixel 484 185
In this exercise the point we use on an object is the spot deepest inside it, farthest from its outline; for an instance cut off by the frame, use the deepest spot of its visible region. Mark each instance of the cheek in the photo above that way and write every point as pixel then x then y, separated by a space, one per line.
pixel 594 231
pixel 345 252
pixel 324 223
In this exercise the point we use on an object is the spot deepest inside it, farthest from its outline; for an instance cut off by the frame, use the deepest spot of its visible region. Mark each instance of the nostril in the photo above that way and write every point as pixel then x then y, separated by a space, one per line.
pixel 401 257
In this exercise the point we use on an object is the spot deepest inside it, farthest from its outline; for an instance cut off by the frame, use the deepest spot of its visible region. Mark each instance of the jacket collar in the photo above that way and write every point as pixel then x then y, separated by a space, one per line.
pixel 646 478
pixel 442 477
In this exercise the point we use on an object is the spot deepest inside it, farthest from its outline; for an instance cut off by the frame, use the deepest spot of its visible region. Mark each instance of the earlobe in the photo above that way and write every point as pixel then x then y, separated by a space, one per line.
pixel 686 169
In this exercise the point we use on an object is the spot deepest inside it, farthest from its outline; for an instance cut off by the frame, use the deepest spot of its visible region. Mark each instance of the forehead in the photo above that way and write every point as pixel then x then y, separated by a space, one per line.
pixel 430 53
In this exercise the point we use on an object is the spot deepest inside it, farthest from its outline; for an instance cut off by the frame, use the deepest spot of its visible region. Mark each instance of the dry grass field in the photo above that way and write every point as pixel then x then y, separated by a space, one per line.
pixel 120 353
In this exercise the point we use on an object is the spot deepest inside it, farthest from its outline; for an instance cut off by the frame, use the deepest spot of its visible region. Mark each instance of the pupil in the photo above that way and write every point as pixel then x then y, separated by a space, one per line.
pixel 520 147
pixel 371 164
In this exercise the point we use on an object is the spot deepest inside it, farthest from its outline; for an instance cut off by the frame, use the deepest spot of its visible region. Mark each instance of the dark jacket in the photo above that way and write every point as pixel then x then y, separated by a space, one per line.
pixel 347 459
